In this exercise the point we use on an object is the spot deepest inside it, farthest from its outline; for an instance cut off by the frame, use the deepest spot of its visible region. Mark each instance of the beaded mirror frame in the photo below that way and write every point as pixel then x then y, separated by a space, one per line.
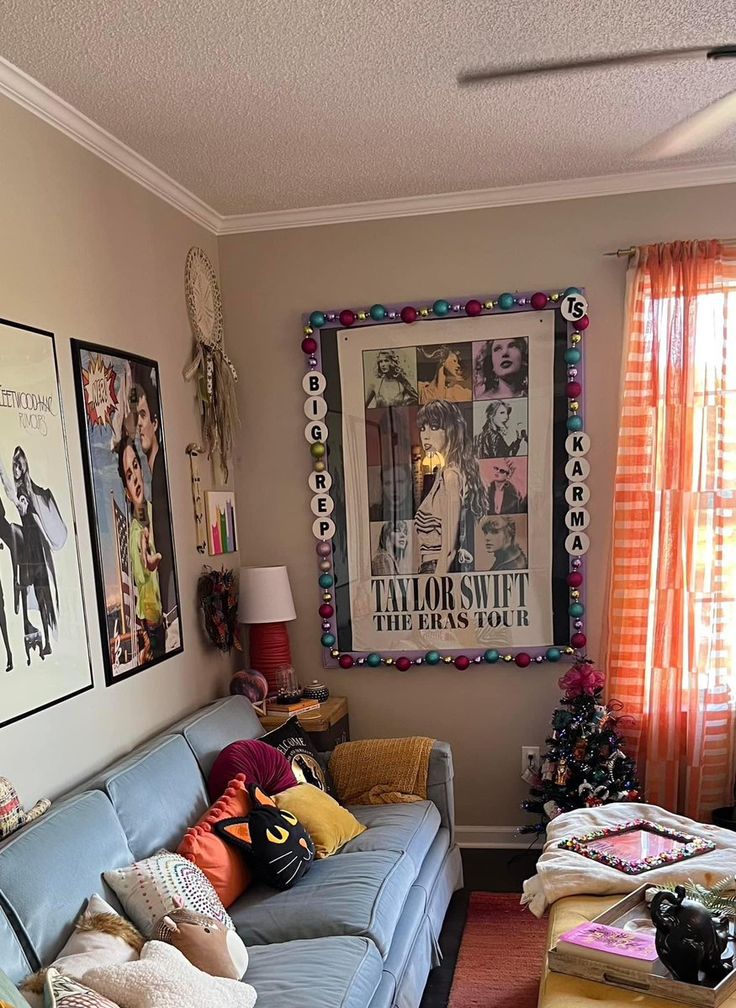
pixel 448 479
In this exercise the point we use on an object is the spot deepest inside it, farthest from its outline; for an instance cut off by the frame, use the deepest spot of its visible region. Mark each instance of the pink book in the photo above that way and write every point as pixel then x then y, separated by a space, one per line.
pixel 628 949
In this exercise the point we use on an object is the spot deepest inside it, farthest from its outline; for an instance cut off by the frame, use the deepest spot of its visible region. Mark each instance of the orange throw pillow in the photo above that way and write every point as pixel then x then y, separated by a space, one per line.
pixel 223 865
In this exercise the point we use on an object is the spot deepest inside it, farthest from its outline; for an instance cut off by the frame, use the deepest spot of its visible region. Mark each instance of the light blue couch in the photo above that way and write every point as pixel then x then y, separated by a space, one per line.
pixel 360 930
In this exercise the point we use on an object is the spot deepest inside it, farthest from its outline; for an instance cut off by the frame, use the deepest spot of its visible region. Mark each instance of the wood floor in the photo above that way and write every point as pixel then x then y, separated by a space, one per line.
pixel 485 871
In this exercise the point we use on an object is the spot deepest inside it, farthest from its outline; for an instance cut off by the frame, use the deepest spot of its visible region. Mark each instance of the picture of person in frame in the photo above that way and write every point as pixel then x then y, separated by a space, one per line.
pixel 393 540
pixel 501 368
pixel 391 385
pixel 444 520
pixel 451 380
pixel 145 560
pixel 144 403
pixel 497 440
pixel 500 542
pixel 503 496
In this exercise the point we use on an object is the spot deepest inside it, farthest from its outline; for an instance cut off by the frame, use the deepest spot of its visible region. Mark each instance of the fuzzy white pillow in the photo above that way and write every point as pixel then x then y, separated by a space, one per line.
pixel 101 937
pixel 155 886
pixel 164 978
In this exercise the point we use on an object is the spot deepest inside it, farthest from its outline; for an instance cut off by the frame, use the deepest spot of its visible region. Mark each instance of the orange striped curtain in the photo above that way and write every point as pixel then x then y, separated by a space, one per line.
pixel 671 639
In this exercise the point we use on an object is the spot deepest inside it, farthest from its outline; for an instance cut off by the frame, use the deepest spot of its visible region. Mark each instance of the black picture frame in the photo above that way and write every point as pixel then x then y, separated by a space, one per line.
pixel 32 422
pixel 131 641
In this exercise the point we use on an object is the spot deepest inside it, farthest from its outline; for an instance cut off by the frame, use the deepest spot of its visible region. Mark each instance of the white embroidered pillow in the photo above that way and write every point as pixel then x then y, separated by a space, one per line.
pixel 66 992
pixel 157 885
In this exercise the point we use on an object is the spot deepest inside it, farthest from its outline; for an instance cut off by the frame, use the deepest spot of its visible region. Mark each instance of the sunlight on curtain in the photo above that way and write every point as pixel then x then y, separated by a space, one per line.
pixel 671 645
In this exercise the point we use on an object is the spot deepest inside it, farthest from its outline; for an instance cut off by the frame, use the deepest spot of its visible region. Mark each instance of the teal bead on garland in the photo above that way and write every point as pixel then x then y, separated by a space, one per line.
pixel 572 356
pixel 570 291
pixel 432 657
pixel 328 640
pixel 574 423
pixel 506 301
pixel 317 319
pixel 326 581
pixel 553 654
pixel 377 312
pixel 374 660
pixel 576 609
pixel 441 307
pixel 492 656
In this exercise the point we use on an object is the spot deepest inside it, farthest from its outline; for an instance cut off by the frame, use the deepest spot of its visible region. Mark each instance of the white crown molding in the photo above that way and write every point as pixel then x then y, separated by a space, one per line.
pixel 477 199
pixel 33 96
pixel 496 837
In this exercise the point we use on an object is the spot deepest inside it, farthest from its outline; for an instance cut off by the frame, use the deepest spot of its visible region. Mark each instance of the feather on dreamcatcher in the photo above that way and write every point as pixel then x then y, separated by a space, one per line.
pixel 210 365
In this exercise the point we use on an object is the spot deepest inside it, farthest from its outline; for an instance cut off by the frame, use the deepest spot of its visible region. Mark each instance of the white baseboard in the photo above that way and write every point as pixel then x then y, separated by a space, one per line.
pixel 506 837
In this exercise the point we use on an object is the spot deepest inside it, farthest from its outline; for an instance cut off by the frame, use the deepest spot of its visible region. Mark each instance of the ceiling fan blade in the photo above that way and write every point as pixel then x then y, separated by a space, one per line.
pixel 696 130
pixel 623 59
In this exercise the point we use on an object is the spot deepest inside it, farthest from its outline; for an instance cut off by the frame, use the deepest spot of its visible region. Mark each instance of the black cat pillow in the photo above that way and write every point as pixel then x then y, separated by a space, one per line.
pixel 276 846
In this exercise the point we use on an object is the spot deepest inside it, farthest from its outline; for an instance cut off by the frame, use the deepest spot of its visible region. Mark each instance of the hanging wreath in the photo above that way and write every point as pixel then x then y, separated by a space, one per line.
pixel 213 369
pixel 217 592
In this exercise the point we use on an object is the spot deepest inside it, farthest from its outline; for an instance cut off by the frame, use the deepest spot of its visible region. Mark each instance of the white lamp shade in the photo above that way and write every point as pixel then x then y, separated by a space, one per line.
pixel 265 595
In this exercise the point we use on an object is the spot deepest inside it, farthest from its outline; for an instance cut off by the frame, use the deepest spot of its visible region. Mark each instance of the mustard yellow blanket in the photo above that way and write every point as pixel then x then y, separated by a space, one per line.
pixel 381 771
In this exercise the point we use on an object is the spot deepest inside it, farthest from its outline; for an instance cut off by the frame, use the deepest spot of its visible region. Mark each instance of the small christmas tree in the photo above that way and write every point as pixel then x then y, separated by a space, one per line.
pixel 584 764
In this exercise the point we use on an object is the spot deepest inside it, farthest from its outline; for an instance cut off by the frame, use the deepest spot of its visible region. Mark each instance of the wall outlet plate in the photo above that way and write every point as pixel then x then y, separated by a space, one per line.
pixel 529 758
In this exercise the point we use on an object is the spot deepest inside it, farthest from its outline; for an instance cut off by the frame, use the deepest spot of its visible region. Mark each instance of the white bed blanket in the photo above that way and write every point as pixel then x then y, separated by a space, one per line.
pixel 565 873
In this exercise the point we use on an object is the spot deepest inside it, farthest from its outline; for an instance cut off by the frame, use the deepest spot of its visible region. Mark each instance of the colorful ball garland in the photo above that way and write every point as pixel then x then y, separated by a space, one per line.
pixel 409 314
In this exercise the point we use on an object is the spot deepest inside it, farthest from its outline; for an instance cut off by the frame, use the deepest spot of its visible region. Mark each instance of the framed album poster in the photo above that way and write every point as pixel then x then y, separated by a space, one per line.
pixel 448 479
pixel 121 418
pixel 44 651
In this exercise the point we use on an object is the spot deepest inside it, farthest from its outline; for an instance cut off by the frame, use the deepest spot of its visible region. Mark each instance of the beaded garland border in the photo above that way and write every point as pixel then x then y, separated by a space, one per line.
pixel 635 866
pixel 314 384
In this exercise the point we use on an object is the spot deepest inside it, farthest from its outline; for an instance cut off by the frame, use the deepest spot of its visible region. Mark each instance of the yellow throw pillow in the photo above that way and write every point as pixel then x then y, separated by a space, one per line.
pixel 329 824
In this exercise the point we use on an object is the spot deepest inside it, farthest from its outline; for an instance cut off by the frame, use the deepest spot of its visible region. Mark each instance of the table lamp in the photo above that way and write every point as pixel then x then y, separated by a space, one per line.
pixel 266 605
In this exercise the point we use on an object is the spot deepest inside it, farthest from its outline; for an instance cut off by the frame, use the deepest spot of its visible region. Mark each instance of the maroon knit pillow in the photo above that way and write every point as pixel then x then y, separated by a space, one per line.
pixel 260 762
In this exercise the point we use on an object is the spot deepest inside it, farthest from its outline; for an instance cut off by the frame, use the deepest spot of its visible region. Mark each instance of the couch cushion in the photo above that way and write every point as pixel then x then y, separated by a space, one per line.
pixel 335 972
pixel 157 792
pixel 348 894
pixel 406 828
pixel 13 959
pixel 48 870
pixel 208 731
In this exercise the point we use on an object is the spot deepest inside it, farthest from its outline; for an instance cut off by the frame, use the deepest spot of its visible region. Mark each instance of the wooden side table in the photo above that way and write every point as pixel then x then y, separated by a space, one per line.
pixel 327 727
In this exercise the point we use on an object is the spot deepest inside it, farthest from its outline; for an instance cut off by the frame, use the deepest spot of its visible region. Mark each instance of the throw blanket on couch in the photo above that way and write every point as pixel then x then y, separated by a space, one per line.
pixel 565 873
pixel 381 771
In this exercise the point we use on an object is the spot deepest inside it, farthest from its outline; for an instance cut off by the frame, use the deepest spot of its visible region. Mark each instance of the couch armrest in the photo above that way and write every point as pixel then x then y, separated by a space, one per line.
pixel 440 787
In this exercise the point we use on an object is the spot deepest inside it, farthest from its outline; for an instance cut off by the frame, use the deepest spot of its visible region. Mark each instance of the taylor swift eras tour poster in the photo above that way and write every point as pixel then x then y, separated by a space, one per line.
pixel 120 412
pixel 449 452
pixel 44 657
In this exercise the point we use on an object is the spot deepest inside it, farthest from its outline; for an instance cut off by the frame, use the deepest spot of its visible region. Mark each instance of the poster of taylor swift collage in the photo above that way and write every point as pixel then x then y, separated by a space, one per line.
pixel 448 459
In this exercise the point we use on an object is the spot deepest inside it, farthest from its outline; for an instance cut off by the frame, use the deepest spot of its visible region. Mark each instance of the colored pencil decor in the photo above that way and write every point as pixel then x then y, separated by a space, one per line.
pixel 222 532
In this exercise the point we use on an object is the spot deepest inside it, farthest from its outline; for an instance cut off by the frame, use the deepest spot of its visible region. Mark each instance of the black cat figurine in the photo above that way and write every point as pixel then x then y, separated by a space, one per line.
pixel 688 941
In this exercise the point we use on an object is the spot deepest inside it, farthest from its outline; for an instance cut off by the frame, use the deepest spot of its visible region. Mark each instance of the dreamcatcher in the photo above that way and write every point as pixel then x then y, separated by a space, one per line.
pixel 213 369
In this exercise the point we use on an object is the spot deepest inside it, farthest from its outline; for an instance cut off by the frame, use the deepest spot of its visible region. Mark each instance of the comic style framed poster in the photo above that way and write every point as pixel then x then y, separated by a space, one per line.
pixel 43 632
pixel 448 479
pixel 122 425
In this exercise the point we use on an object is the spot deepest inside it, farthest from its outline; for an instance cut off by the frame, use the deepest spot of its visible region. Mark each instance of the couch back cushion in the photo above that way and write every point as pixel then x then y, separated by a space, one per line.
pixel 208 731
pixel 14 961
pixel 157 792
pixel 48 871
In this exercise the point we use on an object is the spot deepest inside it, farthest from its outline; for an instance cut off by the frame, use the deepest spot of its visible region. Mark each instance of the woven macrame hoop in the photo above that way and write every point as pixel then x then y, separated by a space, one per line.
pixel 204 303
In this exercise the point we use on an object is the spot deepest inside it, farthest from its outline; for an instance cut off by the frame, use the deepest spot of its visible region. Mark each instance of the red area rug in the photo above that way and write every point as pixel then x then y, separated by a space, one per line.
pixel 501 954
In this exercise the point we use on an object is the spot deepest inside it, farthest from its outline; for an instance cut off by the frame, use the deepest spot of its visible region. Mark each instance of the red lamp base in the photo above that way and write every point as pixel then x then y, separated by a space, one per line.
pixel 269 651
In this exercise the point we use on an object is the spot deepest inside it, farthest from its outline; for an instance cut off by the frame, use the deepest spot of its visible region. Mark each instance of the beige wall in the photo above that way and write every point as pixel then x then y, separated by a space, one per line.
pixel 87 253
pixel 269 279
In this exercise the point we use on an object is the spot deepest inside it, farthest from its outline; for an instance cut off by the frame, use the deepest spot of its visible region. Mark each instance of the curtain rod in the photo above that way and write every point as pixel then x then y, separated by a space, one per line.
pixel 628 252
pixel 631 250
